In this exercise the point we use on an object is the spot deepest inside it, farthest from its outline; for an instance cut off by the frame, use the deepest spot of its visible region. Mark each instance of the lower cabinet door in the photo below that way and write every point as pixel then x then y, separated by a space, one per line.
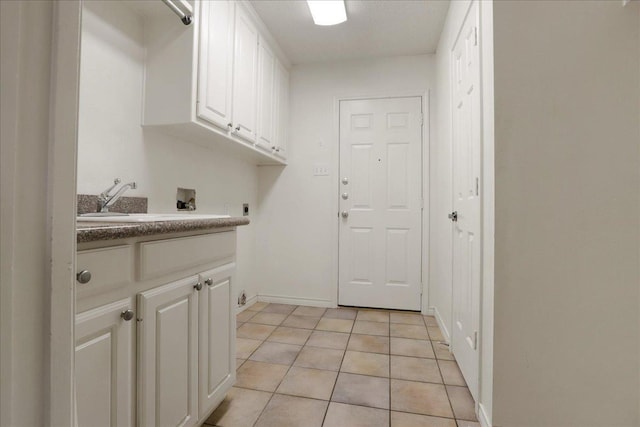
pixel 104 362
pixel 168 355
pixel 216 337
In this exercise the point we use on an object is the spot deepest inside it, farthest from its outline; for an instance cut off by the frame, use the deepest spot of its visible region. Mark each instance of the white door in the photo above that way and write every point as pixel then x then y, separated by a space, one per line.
pixel 245 77
pixel 380 203
pixel 217 337
pixel 216 62
pixel 466 200
pixel 266 96
pixel 104 366
pixel 168 355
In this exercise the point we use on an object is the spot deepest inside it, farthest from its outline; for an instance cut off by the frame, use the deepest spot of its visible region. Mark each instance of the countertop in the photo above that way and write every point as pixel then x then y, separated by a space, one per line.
pixel 95 231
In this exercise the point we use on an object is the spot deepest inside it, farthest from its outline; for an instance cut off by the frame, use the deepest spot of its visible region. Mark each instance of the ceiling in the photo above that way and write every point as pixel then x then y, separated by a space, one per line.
pixel 374 28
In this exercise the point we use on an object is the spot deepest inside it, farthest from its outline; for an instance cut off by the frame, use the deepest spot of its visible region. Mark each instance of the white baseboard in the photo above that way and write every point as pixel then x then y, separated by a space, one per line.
pixel 441 325
pixel 429 311
pixel 278 299
pixel 250 301
pixel 483 418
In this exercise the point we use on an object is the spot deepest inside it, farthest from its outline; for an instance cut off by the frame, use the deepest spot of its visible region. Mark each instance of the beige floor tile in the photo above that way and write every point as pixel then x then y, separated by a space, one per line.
pixel 369 343
pixel 357 362
pixel 451 373
pixel 305 382
pixel 343 415
pixel 403 419
pixel 260 376
pixel 305 322
pixel 406 318
pixel 309 311
pixel 319 358
pixel 420 398
pixel 290 335
pixel 239 362
pixel 258 306
pixel 335 325
pixel 244 316
pixel 366 327
pixel 373 316
pixel 244 347
pixel 442 351
pixel 279 308
pixel 415 369
pixel 362 390
pixel 435 334
pixel 255 331
pixel 238 324
pixel 290 411
pixel 341 313
pixel 465 423
pixel 462 403
pixel 327 339
pixel 241 408
pixel 275 352
pixel 411 347
pixel 418 332
pixel 268 318
pixel 430 321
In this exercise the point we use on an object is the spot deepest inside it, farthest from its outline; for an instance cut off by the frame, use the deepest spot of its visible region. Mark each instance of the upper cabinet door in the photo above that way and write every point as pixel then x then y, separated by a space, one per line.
pixel 266 96
pixel 282 109
pixel 245 77
pixel 215 70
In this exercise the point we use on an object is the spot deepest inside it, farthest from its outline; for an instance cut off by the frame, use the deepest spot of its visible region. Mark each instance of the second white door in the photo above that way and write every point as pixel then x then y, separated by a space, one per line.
pixel 380 203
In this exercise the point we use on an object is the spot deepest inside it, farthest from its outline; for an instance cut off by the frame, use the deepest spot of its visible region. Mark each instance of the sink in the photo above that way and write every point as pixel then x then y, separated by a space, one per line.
pixel 118 217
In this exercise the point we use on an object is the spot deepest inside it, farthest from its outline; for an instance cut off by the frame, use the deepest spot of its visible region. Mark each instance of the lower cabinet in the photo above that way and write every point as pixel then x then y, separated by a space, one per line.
pixel 104 365
pixel 185 337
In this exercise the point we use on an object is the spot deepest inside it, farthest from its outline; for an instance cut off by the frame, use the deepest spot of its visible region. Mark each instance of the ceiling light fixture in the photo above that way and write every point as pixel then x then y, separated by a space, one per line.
pixel 327 12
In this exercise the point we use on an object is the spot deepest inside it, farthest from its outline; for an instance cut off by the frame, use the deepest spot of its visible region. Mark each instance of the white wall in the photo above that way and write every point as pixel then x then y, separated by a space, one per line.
pixel 113 144
pixel 567 162
pixel 297 230
pixel 26 59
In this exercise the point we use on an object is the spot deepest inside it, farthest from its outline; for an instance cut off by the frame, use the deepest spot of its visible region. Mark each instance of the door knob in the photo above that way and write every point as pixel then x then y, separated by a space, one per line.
pixel 345 180
pixel 127 315
pixel 83 277
pixel 238 128
pixel 198 286
pixel 209 281
pixel 345 214
pixel 345 196
pixel 453 216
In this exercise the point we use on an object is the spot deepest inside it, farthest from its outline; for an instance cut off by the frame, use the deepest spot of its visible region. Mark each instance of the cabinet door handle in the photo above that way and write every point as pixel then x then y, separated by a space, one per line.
pixel 127 315
pixel 229 125
pixel 83 277
pixel 209 281
pixel 238 128
pixel 198 286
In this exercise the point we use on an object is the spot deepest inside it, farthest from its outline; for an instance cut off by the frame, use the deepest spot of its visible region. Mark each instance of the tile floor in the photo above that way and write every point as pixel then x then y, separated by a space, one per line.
pixel 306 366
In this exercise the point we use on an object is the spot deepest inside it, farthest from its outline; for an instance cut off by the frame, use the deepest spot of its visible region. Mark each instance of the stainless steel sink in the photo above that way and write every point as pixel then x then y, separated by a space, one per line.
pixel 118 217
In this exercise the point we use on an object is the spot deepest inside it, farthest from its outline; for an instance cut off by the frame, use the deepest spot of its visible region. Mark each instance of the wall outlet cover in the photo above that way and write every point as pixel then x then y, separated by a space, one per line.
pixel 321 169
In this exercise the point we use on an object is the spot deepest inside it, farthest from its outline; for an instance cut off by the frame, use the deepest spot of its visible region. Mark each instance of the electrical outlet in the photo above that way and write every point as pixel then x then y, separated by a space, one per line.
pixel 321 169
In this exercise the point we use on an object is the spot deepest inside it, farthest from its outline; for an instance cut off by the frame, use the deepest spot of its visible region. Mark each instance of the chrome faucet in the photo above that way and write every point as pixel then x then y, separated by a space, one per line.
pixel 107 200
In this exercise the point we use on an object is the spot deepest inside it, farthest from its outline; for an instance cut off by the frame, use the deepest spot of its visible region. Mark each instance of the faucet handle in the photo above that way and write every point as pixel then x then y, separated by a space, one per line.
pixel 106 192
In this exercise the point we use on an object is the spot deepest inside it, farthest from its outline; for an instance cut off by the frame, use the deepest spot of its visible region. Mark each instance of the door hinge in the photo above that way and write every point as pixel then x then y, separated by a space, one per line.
pixel 422 118
pixel 475 35
pixel 475 340
pixel 477 186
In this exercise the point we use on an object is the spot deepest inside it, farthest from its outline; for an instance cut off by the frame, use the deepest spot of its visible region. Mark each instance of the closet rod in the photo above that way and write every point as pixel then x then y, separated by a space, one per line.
pixel 186 19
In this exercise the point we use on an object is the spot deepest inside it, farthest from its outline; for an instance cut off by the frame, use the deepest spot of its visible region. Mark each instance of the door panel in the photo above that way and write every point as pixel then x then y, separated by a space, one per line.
pixel 380 239
pixel 168 355
pixel 466 200
pixel 245 77
pixel 266 96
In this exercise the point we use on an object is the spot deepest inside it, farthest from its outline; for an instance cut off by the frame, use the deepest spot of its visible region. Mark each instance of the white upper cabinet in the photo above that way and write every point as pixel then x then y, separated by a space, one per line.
pixel 245 77
pixel 281 109
pixel 214 82
pixel 266 96
pixel 215 76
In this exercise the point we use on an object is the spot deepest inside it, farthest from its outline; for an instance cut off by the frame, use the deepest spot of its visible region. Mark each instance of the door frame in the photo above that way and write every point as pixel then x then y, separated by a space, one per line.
pixel 334 176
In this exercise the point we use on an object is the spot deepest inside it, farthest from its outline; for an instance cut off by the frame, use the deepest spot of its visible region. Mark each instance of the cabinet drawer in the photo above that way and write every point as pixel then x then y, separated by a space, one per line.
pixel 109 267
pixel 163 257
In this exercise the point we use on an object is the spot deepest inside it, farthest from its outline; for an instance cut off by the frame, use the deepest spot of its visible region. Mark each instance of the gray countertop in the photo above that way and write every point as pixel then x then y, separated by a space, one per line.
pixel 95 231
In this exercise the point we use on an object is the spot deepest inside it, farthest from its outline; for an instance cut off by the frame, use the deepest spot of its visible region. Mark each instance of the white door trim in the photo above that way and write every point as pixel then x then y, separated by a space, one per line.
pixel 61 215
pixel 426 175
